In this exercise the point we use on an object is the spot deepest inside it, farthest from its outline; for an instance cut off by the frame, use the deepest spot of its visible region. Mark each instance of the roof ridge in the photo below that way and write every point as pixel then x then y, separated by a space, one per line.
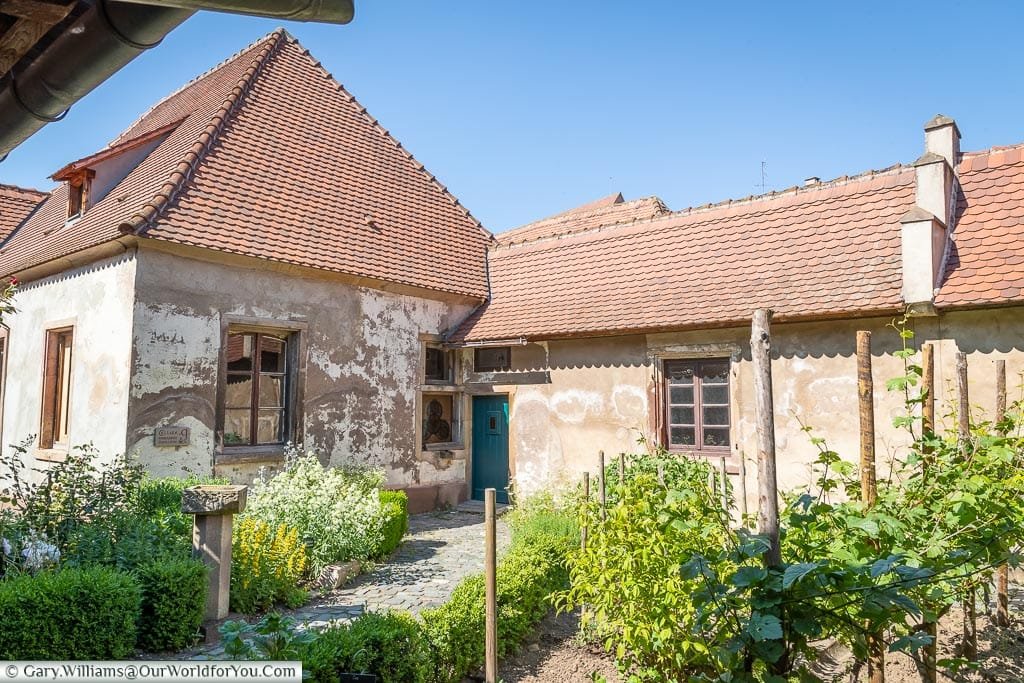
pixel 727 203
pixel 992 150
pixel 144 217
pixel 190 83
pixel 417 164
pixel 24 190
pixel 504 236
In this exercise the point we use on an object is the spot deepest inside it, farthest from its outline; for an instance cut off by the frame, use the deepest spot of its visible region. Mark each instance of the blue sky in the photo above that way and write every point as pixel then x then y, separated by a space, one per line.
pixel 525 109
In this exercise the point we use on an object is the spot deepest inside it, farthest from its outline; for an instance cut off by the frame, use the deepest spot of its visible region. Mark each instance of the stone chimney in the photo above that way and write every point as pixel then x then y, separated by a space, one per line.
pixel 924 235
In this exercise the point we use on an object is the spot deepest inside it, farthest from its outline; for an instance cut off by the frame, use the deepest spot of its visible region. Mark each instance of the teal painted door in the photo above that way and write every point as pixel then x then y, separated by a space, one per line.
pixel 490 446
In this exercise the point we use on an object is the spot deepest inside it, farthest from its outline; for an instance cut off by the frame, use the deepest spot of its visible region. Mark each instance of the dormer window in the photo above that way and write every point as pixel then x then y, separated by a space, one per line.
pixel 78 193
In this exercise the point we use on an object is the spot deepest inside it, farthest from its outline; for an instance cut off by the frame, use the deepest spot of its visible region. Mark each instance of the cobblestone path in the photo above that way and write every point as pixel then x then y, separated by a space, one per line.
pixel 440 549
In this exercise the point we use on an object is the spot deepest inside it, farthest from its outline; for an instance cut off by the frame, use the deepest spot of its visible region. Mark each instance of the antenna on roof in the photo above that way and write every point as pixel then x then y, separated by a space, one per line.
pixel 764 177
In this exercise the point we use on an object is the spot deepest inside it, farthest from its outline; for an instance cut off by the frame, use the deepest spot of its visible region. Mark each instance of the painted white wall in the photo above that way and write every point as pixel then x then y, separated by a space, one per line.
pixel 97 300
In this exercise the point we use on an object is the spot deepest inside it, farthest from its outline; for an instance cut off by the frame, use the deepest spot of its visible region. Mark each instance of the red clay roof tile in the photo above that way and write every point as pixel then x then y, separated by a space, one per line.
pixel 267 156
pixel 16 204
pixel 830 250
pixel 986 260
pixel 605 211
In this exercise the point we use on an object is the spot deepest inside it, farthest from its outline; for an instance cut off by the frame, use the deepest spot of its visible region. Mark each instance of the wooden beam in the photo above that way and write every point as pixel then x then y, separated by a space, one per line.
pixel 34 10
pixel 866 395
pixel 34 20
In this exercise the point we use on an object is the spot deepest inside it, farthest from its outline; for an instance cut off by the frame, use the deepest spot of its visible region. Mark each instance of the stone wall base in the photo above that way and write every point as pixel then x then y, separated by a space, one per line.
pixel 435 496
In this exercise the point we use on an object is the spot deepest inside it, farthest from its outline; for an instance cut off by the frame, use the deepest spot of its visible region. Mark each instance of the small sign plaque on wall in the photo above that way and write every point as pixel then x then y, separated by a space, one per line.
pixel 172 436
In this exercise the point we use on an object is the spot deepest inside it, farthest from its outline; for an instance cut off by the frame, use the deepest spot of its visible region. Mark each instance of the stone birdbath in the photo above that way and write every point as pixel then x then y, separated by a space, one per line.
pixel 214 506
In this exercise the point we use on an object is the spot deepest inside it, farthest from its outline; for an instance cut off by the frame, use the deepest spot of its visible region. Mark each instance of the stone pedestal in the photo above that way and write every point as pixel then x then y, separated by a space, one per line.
pixel 214 508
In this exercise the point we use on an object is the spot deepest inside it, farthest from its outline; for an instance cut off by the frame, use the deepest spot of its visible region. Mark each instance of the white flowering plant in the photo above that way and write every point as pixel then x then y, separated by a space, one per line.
pixel 337 511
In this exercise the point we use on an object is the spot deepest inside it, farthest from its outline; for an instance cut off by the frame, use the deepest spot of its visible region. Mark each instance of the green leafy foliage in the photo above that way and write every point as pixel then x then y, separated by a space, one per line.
pixel 267 564
pixel 396 521
pixel 948 510
pixel 273 638
pixel 390 646
pixel 69 614
pixel 337 512
pixel 173 601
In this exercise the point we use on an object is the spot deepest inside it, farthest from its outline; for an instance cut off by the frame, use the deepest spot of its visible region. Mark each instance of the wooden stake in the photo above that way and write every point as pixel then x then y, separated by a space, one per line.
pixel 963 410
pixel 868 482
pixel 622 469
pixel 743 485
pixel 725 489
pixel 931 670
pixel 586 501
pixel 767 484
pixel 930 658
pixel 1002 573
pixel 491 589
pixel 928 387
pixel 866 396
pixel 970 645
pixel 601 493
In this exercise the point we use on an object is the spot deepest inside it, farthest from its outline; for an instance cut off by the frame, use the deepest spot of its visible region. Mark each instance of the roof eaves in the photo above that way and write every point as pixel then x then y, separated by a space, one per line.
pixel 145 216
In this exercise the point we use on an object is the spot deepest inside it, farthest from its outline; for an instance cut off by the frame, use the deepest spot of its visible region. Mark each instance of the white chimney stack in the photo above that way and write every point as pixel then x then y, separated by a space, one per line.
pixel 925 228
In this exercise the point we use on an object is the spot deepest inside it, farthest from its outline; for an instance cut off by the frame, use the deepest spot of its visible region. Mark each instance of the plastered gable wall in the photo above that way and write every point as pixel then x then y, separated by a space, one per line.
pixel 97 300
pixel 360 369
pixel 604 393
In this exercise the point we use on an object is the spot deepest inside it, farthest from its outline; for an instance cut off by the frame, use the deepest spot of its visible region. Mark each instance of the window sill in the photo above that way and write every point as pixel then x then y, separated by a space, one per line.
pixel 434 447
pixel 230 455
pixel 51 454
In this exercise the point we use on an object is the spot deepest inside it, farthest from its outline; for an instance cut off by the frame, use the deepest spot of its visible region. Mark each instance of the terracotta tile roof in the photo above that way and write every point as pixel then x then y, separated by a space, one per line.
pixel 16 204
pixel 986 263
pixel 267 156
pixel 817 252
pixel 605 211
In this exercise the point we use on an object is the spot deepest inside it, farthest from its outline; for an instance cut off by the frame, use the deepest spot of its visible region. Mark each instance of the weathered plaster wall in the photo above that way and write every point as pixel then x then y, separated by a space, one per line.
pixel 97 300
pixel 604 393
pixel 360 370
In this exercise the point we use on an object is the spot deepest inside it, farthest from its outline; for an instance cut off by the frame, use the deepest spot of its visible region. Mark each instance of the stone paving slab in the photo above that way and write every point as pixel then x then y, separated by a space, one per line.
pixel 439 550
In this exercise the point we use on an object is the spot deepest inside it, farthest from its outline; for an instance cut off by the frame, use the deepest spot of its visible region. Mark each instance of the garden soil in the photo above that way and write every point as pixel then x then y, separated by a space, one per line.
pixel 556 655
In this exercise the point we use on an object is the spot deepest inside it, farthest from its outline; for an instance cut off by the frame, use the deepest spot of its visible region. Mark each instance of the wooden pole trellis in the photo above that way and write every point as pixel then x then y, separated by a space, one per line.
pixel 767 483
pixel 868 480
pixel 622 469
pixel 601 478
pixel 1003 572
pixel 491 588
pixel 970 633
pixel 586 501
pixel 931 628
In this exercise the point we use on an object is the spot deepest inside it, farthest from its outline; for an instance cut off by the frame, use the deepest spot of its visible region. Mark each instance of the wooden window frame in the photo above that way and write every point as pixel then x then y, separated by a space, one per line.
pixel 56 391
pixel 698 407
pixel 450 367
pixel 79 189
pixel 479 367
pixel 458 434
pixel 295 333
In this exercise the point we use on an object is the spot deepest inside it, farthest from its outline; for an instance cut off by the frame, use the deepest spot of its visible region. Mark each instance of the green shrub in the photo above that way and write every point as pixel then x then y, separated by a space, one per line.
pixel 163 495
pixel 266 566
pixel 529 574
pixel 173 601
pixel 337 511
pixel 69 614
pixel 396 511
pixel 389 645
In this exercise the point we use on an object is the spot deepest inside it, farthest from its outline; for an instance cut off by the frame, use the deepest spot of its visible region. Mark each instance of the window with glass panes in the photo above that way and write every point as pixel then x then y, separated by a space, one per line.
pixel 256 396
pixel 697 404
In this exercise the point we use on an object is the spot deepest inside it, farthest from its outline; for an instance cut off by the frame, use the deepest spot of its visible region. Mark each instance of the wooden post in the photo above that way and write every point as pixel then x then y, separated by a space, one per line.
pixel 491 589
pixel 767 484
pixel 586 501
pixel 1002 573
pixel 930 657
pixel 622 469
pixel 866 396
pixel 868 482
pixel 725 488
pixel 743 486
pixel 963 408
pixel 963 432
pixel 928 387
pixel 601 493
